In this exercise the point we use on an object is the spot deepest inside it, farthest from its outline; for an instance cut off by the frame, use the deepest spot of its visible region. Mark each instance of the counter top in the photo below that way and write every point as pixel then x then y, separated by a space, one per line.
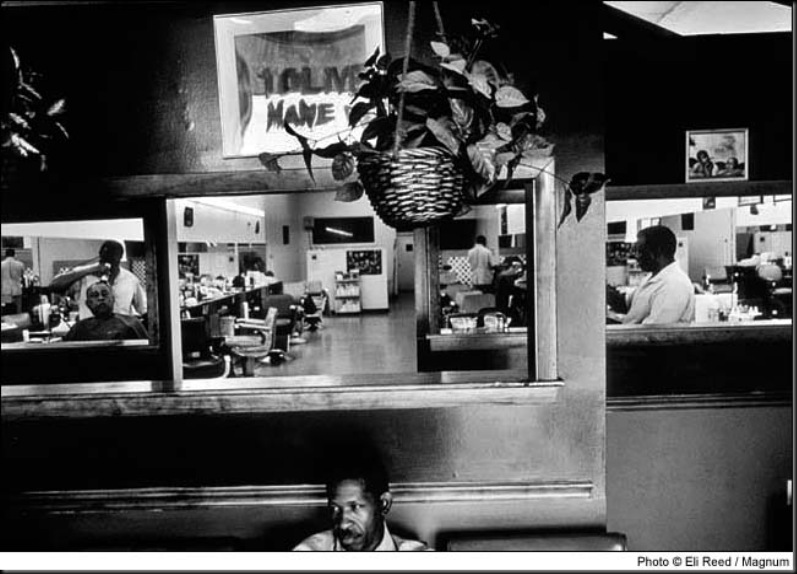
pixel 767 330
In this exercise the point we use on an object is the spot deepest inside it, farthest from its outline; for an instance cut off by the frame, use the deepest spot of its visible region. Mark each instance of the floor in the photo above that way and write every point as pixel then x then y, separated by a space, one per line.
pixel 370 342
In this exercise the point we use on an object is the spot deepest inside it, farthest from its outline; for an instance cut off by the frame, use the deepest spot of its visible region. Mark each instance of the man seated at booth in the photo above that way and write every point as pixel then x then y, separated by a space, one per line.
pixel 667 294
pixel 105 325
pixel 359 499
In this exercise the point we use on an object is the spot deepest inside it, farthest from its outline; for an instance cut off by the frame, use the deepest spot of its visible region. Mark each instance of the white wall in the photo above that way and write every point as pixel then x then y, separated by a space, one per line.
pixel 323 204
pixel 217 224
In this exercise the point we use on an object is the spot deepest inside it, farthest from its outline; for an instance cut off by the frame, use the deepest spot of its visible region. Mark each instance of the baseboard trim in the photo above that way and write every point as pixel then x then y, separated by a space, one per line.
pixel 182 498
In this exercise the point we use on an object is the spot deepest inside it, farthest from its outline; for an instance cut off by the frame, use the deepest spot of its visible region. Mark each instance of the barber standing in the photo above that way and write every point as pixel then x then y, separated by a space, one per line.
pixel 129 295
pixel 482 262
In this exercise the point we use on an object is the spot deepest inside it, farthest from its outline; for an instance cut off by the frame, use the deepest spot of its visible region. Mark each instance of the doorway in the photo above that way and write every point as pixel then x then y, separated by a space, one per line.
pixel 405 262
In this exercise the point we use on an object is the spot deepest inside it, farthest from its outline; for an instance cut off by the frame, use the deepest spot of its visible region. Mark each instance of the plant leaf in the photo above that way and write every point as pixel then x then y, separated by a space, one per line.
pixel 332 150
pixel 416 81
pixel 358 111
pixel 510 97
pixel 482 159
pixel 443 130
pixel 566 207
pixel 455 65
pixel 480 84
pixel 270 162
pixel 307 153
pixel 372 60
pixel 504 131
pixel 585 183
pixel 441 49
pixel 582 205
pixel 378 127
pixel 57 108
pixel 342 166
pixel 351 191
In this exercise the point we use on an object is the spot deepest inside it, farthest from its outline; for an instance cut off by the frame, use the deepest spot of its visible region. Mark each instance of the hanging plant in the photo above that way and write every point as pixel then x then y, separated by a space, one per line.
pixel 30 123
pixel 434 138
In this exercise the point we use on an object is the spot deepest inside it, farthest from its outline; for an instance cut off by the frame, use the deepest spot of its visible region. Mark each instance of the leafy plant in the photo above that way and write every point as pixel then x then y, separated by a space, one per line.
pixel 29 123
pixel 463 104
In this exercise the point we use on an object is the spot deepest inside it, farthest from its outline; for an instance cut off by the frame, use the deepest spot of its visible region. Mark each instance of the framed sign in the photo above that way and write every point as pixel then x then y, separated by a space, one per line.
pixel 750 200
pixel 297 66
pixel 716 155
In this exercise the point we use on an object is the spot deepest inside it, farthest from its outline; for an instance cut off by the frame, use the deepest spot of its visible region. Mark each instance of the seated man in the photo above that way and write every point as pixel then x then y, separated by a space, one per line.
pixel 105 325
pixel 359 500
pixel 667 295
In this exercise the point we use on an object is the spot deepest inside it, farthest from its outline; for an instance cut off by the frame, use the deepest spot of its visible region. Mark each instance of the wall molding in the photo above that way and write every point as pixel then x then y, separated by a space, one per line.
pixel 303 495
pixel 262 395
pixel 705 401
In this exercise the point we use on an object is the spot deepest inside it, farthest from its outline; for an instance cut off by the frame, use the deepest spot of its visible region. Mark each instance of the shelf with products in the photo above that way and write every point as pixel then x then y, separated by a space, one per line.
pixel 347 292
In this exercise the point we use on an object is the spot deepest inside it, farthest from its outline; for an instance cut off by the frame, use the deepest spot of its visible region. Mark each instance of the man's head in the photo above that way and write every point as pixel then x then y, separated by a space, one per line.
pixel 10 252
pixel 359 499
pixel 111 252
pixel 99 299
pixel 481 240
pixel 655 248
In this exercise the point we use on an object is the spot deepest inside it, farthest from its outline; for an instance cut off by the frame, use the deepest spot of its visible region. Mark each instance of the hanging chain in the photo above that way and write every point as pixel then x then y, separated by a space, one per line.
pixel 407 47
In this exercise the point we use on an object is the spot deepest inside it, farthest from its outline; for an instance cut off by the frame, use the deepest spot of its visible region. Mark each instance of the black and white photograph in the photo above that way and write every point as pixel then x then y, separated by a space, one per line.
pixel 506 284
pixel 717 155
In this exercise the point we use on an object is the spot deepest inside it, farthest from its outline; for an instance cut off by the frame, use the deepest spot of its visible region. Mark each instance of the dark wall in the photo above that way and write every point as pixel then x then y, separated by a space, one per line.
pixel 141 88
pixel 657 91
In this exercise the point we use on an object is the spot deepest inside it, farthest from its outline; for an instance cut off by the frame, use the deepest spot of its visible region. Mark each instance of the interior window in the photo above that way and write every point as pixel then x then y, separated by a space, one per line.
pixel 736 251
pixel 340 282
pixel 80 301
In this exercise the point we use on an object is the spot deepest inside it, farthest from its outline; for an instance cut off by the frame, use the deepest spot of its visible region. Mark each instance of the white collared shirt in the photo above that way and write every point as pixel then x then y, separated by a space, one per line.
pixel 666 297
pixel 326 542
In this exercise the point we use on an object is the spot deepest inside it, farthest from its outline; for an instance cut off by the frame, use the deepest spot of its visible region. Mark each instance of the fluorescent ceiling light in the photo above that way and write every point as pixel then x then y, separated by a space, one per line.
pixel 339 232
pixel 694 18
pixel 229 205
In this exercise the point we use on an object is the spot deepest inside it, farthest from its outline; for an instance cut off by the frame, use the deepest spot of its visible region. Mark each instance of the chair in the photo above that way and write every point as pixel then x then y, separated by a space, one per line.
pixel 472 301
pixel 258 344
pixel 315 289
pixel 289 314
pixel 548 542
pixel 718 279
pixel 199 360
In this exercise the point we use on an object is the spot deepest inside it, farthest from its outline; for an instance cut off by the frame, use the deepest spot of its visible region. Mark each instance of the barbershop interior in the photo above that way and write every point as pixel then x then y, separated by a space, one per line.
pixel 261 321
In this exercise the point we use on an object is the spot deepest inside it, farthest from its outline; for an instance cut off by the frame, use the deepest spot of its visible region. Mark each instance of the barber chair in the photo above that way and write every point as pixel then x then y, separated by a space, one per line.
pixel 289 317
pixel 199 359
pixel 256 342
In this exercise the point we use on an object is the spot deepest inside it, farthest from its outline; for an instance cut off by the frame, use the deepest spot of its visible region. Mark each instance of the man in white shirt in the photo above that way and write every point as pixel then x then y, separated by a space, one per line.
pixel 481 261
pixel 667 295
pixel 359 500
pixel 129 295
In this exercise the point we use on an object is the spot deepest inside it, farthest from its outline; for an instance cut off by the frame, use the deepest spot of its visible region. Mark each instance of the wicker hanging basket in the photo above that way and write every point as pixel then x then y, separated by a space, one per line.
pixel 414 187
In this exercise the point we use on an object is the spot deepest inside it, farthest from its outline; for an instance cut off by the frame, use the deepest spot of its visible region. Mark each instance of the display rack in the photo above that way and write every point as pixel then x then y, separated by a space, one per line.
pixel 347 292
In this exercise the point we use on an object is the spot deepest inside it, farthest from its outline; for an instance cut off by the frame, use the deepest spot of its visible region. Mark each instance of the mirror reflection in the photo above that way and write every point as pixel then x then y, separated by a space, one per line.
pixel 292 285
pixel 76 281
pixel 735 252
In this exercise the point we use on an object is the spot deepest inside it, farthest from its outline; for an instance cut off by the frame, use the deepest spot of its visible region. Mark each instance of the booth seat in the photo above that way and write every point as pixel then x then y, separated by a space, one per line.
pixel 542 542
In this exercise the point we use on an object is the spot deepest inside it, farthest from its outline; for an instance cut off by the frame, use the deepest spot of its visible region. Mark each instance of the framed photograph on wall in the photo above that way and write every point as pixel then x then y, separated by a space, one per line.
pixel 298 66
pixel 716 155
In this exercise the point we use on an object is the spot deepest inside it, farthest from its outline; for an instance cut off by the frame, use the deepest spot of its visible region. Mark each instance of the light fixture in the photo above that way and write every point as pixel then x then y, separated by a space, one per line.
pixel 229 205
pixel 339 232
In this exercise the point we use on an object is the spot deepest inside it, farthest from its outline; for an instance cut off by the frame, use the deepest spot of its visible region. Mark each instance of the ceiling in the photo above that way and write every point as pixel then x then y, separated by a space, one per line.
pixel 691 18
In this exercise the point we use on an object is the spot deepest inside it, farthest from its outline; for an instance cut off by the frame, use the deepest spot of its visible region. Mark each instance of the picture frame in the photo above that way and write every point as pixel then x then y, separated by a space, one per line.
pixel 717 155
pixel 298 66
